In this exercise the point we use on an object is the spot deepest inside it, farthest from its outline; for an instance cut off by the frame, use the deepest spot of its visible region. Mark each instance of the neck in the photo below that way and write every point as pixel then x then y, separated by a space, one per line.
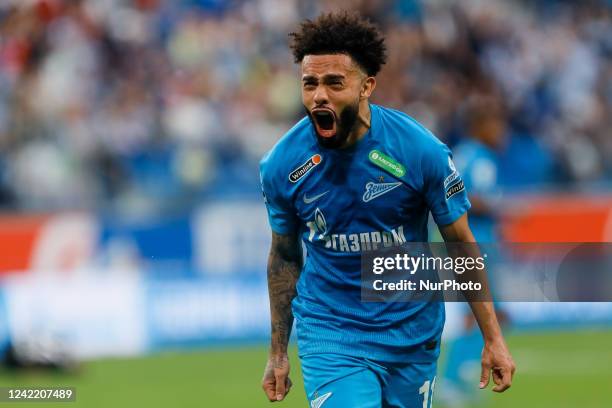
pixel 364 119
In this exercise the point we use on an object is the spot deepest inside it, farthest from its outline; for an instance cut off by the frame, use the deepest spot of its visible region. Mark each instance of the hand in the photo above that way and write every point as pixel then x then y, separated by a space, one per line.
pixel 497 359
pixel 276 383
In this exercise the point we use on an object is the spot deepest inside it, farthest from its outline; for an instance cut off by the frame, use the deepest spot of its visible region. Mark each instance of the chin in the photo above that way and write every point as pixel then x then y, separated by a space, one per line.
pixel 334 142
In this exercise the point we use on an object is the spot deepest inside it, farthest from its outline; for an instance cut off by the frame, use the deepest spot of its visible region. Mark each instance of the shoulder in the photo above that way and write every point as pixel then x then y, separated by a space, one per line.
pixel 292 144
pixel 406 133
pixel 411 141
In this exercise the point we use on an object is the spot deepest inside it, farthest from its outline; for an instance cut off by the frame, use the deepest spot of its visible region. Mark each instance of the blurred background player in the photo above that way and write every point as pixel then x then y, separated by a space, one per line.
pixel 477 158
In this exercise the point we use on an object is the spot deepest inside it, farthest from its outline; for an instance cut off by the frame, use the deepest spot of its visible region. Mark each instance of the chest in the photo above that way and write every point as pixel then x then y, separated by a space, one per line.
pixel 355 192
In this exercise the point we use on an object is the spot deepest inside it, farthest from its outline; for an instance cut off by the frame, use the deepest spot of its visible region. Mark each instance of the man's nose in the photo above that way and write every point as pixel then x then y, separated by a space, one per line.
pixel 320 95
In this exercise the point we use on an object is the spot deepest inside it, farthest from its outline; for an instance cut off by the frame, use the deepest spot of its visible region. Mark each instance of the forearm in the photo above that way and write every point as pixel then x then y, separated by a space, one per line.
pixel 463 244
pixel 284 267
pixel 282 278
pixel 484 312
pixel 481 302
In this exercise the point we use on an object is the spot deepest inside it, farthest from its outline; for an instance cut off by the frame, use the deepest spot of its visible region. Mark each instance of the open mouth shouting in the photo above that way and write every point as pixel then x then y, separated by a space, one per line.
pixel 325 122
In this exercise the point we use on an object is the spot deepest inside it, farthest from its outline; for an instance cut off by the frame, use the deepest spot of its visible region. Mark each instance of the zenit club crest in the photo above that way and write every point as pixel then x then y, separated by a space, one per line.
pixel 374 190
pixel 301 171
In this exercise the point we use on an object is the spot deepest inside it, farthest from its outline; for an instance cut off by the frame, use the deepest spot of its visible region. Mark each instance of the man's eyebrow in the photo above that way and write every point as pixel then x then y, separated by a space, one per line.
pixel 333 77
pixel 327 77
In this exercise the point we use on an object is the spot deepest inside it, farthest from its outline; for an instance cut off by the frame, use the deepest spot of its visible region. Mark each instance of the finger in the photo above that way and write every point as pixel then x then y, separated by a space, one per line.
pixel 505 381
pixel 289 385
pixel 270 390
pixel 280 386
pixel 270 393
pixel 496 373
pixel 484 376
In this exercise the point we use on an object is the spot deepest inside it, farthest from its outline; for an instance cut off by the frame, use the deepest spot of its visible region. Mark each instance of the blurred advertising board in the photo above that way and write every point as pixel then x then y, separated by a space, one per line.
pixel 206 311
pixel 222 238
pixel 88 316
pixel 106 286
pixel 226 238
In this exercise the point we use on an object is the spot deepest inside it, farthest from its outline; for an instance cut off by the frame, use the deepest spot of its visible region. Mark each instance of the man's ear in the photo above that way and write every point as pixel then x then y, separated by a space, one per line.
pixel 367 88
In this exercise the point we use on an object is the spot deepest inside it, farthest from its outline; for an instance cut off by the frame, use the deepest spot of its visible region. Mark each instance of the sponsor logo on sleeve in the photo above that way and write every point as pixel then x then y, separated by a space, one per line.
pixel 450 179
pixel 301 171
pixel 454 189
pixel 454 173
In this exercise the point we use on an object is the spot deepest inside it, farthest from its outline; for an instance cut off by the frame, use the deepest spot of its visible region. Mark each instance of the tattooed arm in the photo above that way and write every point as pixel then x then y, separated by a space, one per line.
pixel 284 266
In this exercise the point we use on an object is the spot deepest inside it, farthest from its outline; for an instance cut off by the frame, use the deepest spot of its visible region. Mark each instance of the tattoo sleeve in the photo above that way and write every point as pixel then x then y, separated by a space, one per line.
pixel 284 267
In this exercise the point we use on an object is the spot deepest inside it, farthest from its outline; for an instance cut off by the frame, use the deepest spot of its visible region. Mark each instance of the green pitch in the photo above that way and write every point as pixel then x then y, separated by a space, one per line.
pixel 556 370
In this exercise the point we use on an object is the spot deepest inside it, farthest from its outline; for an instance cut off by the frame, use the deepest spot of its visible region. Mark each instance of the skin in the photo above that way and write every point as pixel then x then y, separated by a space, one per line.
pixel 335 82
pixel 284 267
pixel 496 359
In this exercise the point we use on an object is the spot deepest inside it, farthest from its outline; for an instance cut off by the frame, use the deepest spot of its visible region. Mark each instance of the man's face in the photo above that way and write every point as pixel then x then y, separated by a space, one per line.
pixel 331 88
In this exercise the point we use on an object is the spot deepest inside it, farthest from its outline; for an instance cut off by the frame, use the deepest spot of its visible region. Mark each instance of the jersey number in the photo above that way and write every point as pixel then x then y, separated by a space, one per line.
pixel 427 391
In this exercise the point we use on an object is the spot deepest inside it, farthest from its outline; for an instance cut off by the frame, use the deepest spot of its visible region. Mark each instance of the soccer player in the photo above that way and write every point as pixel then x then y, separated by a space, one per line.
pixel 349 177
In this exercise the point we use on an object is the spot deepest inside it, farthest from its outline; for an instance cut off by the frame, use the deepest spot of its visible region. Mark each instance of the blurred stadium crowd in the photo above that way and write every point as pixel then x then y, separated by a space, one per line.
pixel 151 105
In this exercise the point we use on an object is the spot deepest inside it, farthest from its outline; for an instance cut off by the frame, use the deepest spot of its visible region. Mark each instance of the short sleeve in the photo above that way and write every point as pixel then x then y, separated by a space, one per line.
pixel 281 216
pixel 443 187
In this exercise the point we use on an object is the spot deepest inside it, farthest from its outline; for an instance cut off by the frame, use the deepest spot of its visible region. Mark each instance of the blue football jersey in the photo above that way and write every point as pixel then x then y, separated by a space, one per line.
pixel 377 193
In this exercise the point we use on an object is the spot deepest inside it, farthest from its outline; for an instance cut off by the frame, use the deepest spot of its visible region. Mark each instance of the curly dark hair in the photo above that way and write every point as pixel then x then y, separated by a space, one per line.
pixel 341 33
